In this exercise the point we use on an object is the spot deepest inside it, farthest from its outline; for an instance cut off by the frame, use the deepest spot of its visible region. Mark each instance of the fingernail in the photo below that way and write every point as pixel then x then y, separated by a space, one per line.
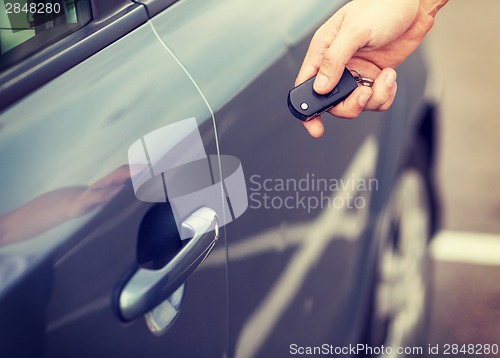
pixel 363 99
pixel 390 79
pixel 320 82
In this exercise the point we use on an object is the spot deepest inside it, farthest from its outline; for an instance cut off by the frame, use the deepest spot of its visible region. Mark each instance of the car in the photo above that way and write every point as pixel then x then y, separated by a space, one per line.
pixel 159 199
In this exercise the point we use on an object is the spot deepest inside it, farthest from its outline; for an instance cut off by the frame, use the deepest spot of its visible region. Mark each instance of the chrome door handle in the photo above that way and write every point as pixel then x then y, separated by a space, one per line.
pixel 148 288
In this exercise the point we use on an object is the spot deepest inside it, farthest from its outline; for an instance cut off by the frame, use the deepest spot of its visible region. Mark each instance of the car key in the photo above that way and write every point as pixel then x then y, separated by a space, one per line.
pixel 305 103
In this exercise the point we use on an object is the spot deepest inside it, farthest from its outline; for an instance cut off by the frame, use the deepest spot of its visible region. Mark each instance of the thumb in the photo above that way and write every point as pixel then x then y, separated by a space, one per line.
pixel 334 60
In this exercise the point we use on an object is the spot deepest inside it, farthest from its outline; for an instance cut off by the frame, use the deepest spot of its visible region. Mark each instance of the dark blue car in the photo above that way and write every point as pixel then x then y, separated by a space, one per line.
pixel 158 199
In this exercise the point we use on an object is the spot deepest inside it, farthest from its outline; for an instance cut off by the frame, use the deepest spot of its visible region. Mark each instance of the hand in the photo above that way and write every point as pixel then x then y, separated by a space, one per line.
pixel 372 37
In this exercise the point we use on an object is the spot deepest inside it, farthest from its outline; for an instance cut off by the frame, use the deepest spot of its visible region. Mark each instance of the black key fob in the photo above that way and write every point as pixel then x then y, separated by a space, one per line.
pixel 305 103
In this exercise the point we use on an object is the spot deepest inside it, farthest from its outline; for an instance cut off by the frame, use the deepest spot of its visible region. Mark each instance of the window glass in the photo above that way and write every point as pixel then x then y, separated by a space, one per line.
pixel 27 25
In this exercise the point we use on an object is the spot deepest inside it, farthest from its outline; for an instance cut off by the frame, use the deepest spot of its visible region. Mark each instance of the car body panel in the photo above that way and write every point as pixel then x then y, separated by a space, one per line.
pixel 68 134
pixel 274 288
pixel 278 259
pixel 227 53
pixel 278 276
pixel 289 291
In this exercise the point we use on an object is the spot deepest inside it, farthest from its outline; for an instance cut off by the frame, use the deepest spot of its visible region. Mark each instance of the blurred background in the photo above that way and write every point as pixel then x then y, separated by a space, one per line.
pixel 464 53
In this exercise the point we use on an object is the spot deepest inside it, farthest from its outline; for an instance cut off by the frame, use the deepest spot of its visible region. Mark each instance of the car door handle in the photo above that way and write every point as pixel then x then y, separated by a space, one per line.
pixel 148 288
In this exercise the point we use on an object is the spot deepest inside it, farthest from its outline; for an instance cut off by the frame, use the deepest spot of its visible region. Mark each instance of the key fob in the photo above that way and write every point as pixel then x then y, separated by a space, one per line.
pixel 305 103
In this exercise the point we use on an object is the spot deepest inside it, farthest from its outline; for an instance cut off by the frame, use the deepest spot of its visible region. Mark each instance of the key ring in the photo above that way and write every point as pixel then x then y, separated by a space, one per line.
pixel 363 81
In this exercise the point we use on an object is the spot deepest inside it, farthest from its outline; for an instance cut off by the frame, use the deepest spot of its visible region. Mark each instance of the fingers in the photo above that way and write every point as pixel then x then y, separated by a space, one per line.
pixel 383 90
pixel 331 47
pixel 350 108
pixel 353 105
pixel 315 127
pixel 334 61
pixel 377 98
pixel 307 71
pixel 389 102
pixel 320 43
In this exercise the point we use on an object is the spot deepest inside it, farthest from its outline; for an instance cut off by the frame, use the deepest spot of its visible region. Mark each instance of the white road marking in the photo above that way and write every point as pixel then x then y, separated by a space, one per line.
pixel 467 247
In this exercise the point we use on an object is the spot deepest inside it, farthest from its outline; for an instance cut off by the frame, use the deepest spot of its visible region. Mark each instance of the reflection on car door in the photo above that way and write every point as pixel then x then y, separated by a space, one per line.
pixel 74 231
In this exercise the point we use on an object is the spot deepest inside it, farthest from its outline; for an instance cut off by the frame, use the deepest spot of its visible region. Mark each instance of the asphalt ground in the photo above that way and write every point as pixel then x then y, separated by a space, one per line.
pixel 465 307
pixel 464 52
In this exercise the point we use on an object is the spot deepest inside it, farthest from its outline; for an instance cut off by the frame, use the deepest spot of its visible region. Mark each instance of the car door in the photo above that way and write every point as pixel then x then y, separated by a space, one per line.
pixel 101 134
pixel 300 257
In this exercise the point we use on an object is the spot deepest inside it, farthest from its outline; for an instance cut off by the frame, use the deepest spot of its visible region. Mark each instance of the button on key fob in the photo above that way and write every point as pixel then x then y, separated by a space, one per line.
pixel 305 103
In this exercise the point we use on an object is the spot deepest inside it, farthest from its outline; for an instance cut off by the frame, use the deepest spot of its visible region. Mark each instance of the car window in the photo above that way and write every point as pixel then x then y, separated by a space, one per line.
pixel 27 26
